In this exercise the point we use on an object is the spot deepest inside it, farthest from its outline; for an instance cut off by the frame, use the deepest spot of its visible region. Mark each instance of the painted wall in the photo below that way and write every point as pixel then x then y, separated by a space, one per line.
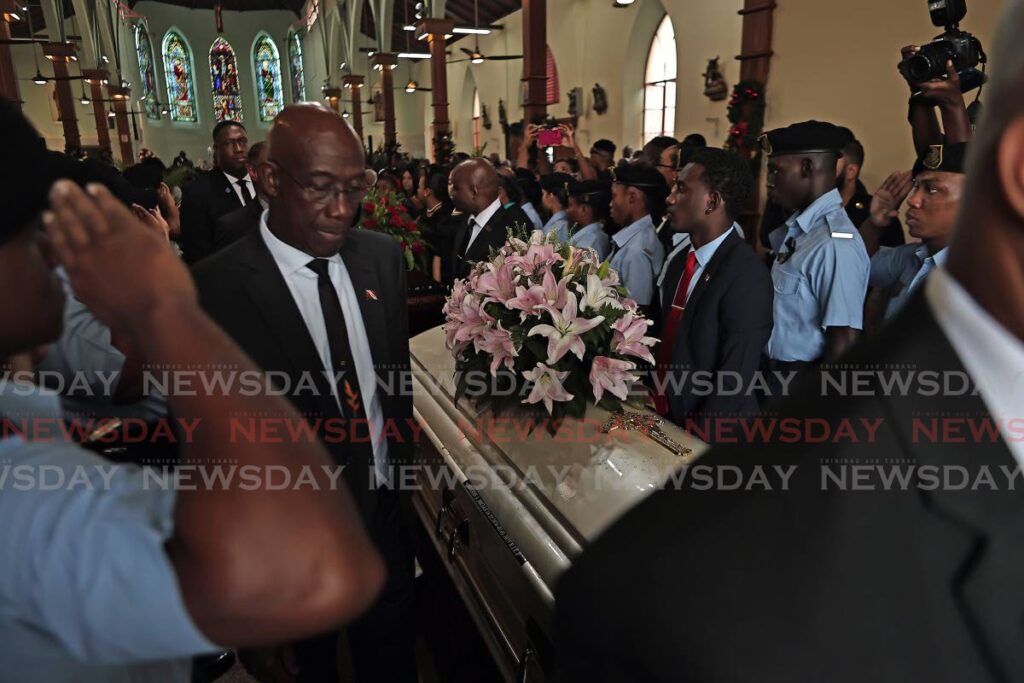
pixel 837 62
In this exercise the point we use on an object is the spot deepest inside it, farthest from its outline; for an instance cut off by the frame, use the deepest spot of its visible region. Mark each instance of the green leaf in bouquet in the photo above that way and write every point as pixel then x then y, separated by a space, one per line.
pixel 602 271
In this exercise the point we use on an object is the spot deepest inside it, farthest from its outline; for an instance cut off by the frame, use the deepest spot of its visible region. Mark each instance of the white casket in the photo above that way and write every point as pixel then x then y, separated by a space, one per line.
pixel 508 508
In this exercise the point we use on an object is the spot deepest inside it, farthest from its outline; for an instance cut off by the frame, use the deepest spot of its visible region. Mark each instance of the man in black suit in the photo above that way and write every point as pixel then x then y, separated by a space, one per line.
pixel 233 226
pixel 716 296
pixel 226 188
pixel 473 188
pixel 309 296
pixel 855 579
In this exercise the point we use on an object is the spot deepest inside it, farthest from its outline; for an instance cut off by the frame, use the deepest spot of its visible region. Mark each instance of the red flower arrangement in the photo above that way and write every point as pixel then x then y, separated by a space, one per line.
pixel 383 211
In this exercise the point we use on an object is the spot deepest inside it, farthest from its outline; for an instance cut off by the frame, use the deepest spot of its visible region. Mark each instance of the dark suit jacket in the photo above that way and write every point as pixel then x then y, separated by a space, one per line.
pixel 242 289
pixel 206 199
pixel 233 226
pixel 724 328
pixel 815 583
pixel 493 236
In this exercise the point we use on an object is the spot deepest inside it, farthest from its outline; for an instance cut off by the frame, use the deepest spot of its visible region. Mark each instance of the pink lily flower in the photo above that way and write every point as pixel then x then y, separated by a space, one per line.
pixel 547 386
pixel 611 375
pixel 527 300
pixel 498 343
pixel 537 256
pixel 564 333
pixel 474 320
pixel 496 283
pixel 628 337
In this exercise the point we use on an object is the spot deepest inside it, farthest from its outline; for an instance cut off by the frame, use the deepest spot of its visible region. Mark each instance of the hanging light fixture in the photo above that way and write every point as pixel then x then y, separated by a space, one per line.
pixel 39 78
pixel 411 86
pixel 345 114
pixel 85 98
pixel 110 114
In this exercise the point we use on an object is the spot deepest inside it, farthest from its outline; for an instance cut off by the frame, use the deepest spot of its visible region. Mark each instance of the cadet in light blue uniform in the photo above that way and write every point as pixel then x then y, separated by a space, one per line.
pixel 588 206
pixel 637 253
pixel 554 198
pixel 932 209
pixel 820 275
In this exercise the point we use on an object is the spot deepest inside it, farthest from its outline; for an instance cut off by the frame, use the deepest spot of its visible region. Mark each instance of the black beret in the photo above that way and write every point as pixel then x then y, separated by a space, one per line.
pixel 807 137
pixel 943 158
pixel 556 182
pixel 604 145
pixel 639 175
pixel 589 187
pixel 23 194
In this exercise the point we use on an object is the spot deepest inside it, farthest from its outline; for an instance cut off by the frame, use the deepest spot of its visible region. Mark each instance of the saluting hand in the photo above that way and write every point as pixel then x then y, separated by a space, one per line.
pixel 887 199
pixel 122 270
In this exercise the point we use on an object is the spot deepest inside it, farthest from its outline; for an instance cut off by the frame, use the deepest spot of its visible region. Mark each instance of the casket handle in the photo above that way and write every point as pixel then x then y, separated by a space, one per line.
pixel 447 497
pixel 458 537
pixel 524 663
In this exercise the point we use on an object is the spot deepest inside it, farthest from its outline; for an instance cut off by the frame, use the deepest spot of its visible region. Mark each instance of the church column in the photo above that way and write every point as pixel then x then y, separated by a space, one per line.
pixel 96 78
pixel 435 32
pixel 535 74
pixel 355 84
pixel 120 96
pixel 755 58
pixel 60 54
pixel 333 97
pixel 386 62
pixel 8 78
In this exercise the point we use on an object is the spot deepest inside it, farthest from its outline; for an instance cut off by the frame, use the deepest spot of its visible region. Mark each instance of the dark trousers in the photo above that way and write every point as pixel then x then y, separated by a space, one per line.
pixel 382 641
pixel 770 370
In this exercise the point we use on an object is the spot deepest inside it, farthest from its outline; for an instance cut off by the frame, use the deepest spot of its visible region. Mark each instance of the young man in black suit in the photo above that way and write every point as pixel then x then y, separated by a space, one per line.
pixel 219 192
pixel 233 226
pixel 310 296
pixel 473 188
pixel 841 574
pixel 716 297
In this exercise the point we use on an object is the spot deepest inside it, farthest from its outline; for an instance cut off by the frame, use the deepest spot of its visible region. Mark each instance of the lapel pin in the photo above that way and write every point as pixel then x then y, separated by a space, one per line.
pixel 371 295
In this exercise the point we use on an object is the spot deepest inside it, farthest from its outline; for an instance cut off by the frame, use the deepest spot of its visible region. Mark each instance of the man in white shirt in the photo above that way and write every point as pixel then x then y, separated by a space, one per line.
pixel 893 552
pixel 312 297
pixel 217 193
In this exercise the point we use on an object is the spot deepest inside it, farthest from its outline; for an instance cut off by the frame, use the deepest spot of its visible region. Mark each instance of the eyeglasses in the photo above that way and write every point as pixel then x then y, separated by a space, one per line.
pixel 784 256
pixel 237 142
pixel 321 194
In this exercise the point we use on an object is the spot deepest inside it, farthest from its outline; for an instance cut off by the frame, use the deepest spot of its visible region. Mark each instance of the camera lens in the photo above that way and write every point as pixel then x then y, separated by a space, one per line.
pixel 920 68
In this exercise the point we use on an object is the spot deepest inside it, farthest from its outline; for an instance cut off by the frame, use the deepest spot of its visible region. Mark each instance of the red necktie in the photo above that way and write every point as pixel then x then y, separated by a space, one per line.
pixel 675 317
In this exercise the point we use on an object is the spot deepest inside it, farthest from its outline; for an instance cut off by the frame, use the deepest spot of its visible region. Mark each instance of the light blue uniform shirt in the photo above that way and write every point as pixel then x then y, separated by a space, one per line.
pixel 87 592
pixel 532 214
pixel 638 256
pixel 901 270
pixel 90 366
pixel 558 224
pixel 593 237
pixel 822 284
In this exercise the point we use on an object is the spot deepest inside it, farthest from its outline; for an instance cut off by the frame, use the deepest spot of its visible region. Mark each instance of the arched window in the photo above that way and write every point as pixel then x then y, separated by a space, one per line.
pixel 660 84
pixel 295 61
pixel 181 93
pixel 227 100
pixel 147 75
pixel 266 63
pixel 476 119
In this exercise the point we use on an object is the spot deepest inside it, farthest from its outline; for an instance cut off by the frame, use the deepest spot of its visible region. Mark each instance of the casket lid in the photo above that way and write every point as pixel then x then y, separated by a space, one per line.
pixel 585 478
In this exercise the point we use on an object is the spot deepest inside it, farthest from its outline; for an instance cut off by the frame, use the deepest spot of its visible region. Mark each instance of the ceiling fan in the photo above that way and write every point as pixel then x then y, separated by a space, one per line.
pixel 474 56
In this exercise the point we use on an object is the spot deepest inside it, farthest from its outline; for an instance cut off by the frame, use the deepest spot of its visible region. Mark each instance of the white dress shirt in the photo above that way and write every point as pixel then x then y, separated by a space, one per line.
pixel 478 222
pixel 302 283
pixel 990 353
pixel 234 183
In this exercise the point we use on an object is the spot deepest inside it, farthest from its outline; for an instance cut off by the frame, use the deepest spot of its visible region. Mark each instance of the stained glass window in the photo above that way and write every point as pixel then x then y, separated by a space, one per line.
pixel 181 93
pixel 295 61
pixel 660 84
pixel 146 73
pixel 266 62
pixel 227 99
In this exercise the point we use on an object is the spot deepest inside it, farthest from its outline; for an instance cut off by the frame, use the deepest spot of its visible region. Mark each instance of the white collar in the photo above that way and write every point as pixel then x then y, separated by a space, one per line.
pixel 488 213
pixel 990 353
pixel 289 259
pixel 233 181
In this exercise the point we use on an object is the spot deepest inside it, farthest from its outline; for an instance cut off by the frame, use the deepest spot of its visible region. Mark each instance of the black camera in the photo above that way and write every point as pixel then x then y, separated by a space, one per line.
pixel 959 47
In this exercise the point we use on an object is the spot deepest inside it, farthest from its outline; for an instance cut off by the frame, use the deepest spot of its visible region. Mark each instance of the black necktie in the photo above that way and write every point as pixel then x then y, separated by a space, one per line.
pixel 341 361
pixel 244 187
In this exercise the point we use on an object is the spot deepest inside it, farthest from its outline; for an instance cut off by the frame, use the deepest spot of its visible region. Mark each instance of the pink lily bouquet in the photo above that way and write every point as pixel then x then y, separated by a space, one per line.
pixel 545 323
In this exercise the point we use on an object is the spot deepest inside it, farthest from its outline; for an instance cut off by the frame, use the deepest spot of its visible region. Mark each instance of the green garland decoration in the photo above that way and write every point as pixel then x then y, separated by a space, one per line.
pixel 746 114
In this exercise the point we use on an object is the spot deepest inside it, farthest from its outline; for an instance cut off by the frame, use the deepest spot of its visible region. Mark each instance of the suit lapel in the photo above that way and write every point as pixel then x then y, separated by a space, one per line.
pixel 224 192
pixel 981 531
pixel 708 274
pixel 281 315
pixel 366 283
